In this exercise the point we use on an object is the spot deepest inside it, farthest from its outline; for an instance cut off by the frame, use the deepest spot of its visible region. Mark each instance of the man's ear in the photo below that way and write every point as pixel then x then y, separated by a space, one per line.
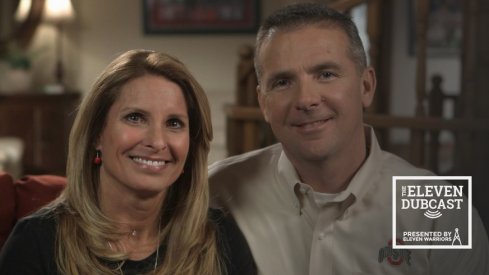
pixel 369 83
pixel 261 102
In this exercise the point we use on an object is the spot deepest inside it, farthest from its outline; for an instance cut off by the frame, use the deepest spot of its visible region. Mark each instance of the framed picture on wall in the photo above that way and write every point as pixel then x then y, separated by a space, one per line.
pixel 200 16
pixel 444 33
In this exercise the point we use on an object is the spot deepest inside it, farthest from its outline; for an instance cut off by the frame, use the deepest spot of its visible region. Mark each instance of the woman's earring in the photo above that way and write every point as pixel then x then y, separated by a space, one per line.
pixel 98 159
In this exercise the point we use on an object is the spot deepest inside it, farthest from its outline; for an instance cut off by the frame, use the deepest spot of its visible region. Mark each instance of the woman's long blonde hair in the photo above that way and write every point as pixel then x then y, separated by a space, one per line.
pixel 84 231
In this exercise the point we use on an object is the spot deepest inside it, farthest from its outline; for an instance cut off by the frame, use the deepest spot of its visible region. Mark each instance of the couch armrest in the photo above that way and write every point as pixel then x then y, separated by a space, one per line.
pixel 33 192
pixel 7 206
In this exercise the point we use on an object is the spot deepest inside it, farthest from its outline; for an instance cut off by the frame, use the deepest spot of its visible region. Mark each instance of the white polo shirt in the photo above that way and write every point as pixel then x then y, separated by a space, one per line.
pixel 293 231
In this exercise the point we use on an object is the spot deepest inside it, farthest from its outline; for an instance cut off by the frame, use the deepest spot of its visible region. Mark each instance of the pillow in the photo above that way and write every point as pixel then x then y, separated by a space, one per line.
pixel 33 192
pixel 7 206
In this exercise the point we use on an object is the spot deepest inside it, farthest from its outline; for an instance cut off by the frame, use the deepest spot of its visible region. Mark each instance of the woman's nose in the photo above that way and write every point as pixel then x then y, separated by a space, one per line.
pixel 155 138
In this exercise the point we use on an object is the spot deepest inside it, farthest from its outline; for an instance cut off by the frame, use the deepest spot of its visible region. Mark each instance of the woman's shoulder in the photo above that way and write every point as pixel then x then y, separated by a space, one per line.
pixel 41 220
pixel 225 223
pixel 30 246
pixel 233 246
pixel 39 227
pixel 216 214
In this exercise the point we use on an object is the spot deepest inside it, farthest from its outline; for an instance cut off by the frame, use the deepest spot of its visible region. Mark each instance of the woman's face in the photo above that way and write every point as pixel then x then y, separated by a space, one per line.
pixel 145 140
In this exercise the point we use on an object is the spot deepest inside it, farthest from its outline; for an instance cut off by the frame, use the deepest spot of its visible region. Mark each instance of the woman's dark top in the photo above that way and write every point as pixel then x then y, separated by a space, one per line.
pixel 30 248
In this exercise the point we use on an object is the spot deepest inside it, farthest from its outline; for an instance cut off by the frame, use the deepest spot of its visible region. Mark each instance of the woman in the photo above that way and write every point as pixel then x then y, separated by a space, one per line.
pixel 137 195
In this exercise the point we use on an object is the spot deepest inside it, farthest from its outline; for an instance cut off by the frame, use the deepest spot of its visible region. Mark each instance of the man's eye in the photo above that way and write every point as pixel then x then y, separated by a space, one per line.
pixel 326 75
pixel 280 83
pixel 134 117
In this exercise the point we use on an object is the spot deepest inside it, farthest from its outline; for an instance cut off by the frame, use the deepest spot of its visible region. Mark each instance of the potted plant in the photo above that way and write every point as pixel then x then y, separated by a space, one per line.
pixel 15 70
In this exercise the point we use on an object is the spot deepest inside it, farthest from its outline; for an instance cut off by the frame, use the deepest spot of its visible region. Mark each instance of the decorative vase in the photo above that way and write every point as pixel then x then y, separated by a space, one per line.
pixel 13 80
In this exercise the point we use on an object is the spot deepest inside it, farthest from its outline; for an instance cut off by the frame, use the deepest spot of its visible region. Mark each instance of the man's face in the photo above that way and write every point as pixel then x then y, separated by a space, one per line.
pixel 312 93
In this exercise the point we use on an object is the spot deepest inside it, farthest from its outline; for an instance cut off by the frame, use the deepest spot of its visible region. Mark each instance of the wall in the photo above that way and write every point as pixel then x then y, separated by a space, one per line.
pixel 211 58
pixel 103 29
pixel 106 28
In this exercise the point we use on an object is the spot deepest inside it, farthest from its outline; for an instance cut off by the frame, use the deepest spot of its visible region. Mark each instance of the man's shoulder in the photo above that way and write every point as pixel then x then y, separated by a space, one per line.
pixel 250 162
pixel 243 175
pixel 394 165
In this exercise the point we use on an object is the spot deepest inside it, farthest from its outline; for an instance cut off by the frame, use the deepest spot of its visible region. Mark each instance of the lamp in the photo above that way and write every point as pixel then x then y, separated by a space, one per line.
pixel 58 13
pixel 23 10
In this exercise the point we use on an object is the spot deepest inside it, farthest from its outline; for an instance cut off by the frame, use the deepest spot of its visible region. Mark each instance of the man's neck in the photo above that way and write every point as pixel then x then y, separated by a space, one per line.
pixel 333 174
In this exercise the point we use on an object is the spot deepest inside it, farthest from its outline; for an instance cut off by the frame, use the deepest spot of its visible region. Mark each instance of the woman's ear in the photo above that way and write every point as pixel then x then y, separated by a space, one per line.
pixel 97 144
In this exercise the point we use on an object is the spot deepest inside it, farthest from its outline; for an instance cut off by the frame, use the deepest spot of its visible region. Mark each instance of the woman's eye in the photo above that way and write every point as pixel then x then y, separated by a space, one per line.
pixel 134 117
pixel 175 123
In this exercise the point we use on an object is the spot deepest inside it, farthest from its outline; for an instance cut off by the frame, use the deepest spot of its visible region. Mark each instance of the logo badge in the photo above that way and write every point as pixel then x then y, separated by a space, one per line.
pixel 419 202
pixel 395 256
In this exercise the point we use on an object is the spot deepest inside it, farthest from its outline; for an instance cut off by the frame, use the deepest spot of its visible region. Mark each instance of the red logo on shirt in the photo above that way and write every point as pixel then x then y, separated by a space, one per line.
pixel 394 256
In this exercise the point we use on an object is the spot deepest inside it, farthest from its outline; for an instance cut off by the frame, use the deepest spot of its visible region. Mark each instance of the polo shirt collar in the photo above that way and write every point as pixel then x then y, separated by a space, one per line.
pixel 368 172
pixel 287 171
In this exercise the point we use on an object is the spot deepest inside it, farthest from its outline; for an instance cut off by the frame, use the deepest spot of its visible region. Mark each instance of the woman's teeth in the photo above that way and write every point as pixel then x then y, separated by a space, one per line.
pixel 149 162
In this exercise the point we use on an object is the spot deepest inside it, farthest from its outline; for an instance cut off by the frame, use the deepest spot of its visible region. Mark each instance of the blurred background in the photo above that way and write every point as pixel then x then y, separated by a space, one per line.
pixel 431 57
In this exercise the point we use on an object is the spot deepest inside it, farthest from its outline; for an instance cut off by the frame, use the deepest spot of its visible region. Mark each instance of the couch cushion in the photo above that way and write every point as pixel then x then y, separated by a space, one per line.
pixel 7 206
pixel 33 192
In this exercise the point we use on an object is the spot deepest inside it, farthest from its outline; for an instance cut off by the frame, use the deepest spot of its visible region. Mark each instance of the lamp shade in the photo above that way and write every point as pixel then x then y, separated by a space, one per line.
pixel 23 10
pixel 55 11
pixel 58 11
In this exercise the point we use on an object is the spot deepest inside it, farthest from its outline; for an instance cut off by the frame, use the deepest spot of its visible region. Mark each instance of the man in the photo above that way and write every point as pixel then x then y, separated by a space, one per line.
pixel 320 201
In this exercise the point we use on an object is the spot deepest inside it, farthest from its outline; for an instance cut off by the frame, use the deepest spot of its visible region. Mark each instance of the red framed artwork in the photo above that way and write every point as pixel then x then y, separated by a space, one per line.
pixel 200 16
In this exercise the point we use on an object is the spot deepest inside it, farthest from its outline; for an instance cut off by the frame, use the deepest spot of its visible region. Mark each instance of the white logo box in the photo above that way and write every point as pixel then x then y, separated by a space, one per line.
pixel 395 179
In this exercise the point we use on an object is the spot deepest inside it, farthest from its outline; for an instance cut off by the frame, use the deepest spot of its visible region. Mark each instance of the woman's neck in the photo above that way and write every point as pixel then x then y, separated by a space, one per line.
pixel 137 219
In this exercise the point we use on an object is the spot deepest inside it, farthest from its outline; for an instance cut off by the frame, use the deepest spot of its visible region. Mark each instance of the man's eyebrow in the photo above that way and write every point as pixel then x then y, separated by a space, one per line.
pixel 324 66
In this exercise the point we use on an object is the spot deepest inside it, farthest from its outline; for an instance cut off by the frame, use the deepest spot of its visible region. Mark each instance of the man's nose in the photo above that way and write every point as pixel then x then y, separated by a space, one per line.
pixel 308 97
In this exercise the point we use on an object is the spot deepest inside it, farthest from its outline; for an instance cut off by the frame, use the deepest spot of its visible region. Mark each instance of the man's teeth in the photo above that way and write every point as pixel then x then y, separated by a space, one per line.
pixel 149 162
pixel 314 123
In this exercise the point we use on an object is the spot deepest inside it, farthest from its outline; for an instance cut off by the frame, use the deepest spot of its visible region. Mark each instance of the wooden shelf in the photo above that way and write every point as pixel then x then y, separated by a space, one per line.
pixel 43 123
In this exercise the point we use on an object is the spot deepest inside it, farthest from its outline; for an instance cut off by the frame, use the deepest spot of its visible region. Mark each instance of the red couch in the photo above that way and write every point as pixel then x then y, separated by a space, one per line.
pixel 23 196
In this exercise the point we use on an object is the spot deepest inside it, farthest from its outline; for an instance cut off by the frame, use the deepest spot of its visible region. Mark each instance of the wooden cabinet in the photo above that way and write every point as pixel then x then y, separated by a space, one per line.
pixel 43 123
pixel 246 130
